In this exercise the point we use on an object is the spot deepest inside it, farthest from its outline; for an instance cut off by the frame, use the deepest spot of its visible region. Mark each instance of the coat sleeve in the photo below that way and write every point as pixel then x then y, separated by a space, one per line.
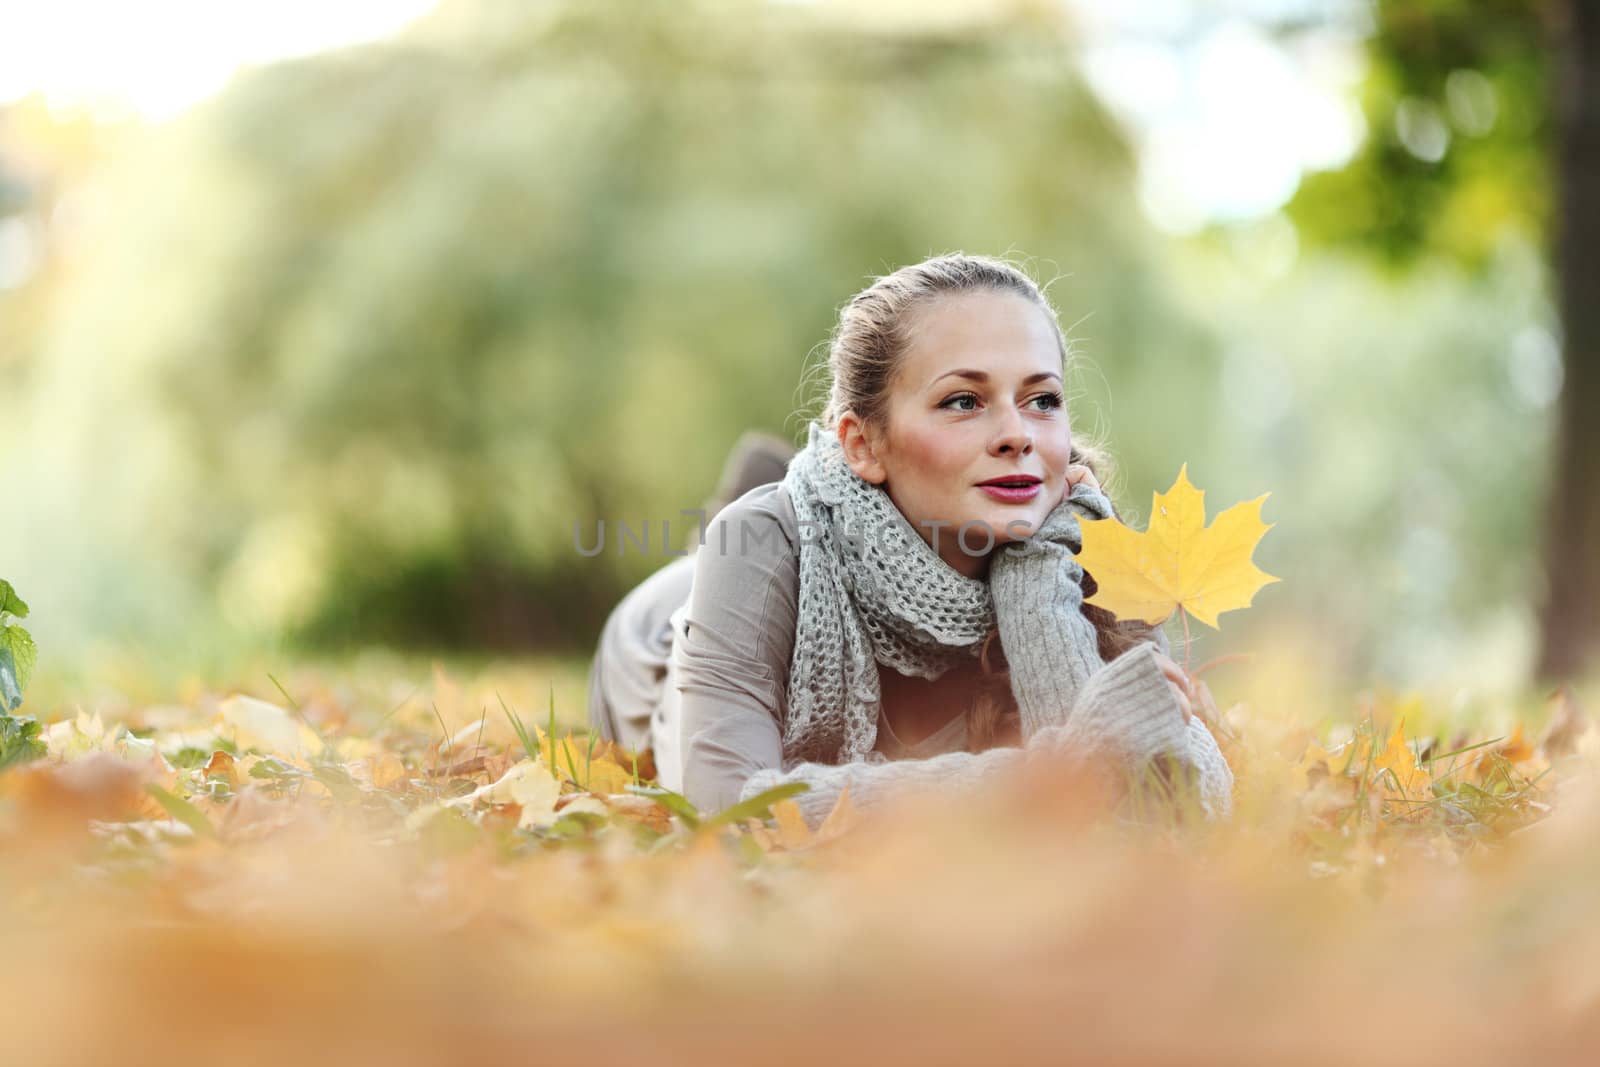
pixel 731 654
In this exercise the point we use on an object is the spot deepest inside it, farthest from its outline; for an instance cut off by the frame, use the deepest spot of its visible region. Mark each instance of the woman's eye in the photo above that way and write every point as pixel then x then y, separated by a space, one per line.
pixel 1050 401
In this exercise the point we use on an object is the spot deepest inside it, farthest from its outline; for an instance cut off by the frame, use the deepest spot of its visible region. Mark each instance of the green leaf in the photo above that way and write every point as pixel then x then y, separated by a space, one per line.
pixel 17 657
pixel 19 740
pixel 757 806
pixel 275 769
pixel 11 602
pixel 337 779
pixel 10 688
pixel 676 803
pixel 182 810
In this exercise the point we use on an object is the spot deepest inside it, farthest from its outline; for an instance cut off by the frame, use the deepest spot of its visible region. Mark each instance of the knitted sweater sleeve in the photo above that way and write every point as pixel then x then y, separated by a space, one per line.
pixel 1127 706
pixel 1069 699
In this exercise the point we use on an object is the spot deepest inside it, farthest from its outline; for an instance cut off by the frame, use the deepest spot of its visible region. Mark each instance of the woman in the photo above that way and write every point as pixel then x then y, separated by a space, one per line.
pixel 841 623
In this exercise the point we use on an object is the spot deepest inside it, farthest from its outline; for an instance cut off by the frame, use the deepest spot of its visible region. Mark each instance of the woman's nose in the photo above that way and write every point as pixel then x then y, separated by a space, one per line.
pixel 1014 438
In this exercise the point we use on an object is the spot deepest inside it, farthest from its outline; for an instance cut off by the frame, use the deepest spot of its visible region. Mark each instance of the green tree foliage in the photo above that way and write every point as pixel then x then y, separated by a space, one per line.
pixel 379 327
pixel 19 734
pixel 1457 106
pixel 17 652
pixel 1485 123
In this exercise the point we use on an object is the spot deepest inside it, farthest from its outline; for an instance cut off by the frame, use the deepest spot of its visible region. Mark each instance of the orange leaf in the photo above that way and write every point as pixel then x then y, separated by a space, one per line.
pixel 792 828
pixel 840 819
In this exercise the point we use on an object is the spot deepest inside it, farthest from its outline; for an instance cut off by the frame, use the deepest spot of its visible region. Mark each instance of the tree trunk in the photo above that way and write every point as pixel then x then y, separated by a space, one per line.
pixel 1570 623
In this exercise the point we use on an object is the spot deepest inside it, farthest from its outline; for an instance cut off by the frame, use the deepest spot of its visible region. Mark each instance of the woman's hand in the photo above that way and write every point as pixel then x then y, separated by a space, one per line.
pixel 1187 689
pixel 1078 472
pixel 1194 696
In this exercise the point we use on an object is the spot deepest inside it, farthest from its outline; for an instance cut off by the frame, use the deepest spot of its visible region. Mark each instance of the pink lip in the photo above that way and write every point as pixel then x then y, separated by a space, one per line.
pixel 1007 495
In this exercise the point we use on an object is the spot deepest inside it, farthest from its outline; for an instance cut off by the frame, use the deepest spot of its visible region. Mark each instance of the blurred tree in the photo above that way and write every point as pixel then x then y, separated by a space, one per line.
pixel 366 335
pixel 1484 118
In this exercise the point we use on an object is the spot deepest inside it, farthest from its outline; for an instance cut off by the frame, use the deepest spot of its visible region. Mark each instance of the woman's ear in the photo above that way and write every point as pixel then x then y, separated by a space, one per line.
pixel 861 449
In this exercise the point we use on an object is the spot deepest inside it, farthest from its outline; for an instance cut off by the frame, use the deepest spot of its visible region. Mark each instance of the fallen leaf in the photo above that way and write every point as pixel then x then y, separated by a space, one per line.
pixel 1406 780
pixel 67 795
pixel 1567 724
pixel 265 727
pixel 843 816
pixel 639 809
pixel 528 784
pixel 535 792
pixel 792 828
pixel 221 764
pixel 387 770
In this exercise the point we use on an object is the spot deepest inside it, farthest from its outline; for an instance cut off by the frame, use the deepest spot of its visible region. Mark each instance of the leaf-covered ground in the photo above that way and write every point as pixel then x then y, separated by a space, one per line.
pixel 442 868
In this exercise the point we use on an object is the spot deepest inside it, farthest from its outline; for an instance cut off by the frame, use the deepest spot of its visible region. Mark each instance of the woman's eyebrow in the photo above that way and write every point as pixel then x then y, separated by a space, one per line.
pixel 982 376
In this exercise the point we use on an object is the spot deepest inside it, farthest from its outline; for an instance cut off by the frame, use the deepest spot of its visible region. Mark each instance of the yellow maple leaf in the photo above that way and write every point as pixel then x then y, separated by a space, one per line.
pixel 1410 781
pixel 594 771
pixel 1178 562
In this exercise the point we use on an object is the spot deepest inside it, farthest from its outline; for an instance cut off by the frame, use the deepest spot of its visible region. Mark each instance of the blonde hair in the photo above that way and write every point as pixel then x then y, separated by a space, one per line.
pixel 865 352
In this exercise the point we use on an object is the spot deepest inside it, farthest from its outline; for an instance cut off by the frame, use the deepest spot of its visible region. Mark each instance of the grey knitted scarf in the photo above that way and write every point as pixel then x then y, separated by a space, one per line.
pixel 871 591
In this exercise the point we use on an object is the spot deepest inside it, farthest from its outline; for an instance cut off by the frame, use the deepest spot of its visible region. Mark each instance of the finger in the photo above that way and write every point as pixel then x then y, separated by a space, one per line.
pixel 1174 673
pixel 1080 473
pixel 1183 703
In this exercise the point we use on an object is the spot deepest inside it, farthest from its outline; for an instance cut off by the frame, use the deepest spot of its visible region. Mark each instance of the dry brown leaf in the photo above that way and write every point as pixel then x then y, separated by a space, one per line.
pixel 66 795
pixel 386 770
pixel 639 809
pixel 1568 723
pixel 221 765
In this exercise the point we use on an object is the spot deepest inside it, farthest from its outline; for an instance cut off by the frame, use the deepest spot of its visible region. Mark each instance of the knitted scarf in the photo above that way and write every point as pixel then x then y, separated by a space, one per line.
pixel 871 591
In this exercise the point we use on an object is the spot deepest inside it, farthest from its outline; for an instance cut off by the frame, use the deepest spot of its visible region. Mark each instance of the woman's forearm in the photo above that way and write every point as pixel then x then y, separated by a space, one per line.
pixel 872 784
pixel 1051 647
pixel 1086 736
pixel 1057 676
pixel 875 783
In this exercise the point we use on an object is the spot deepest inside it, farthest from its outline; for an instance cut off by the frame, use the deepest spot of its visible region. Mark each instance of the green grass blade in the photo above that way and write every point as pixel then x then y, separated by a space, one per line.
pixel 566 750
pixel 550 731
pixel 757 807
pixel 1457 752
pixel 528 744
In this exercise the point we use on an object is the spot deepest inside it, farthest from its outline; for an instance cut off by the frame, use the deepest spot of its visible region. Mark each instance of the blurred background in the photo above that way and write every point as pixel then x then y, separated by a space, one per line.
pixel 322 326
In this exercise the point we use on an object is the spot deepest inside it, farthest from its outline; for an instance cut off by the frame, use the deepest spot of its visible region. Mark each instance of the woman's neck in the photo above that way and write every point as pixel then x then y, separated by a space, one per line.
pixel 918 708
pixel 975 567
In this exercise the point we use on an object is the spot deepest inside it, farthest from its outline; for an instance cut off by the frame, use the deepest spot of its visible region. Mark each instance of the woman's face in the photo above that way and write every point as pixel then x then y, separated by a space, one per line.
pixel 978 396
